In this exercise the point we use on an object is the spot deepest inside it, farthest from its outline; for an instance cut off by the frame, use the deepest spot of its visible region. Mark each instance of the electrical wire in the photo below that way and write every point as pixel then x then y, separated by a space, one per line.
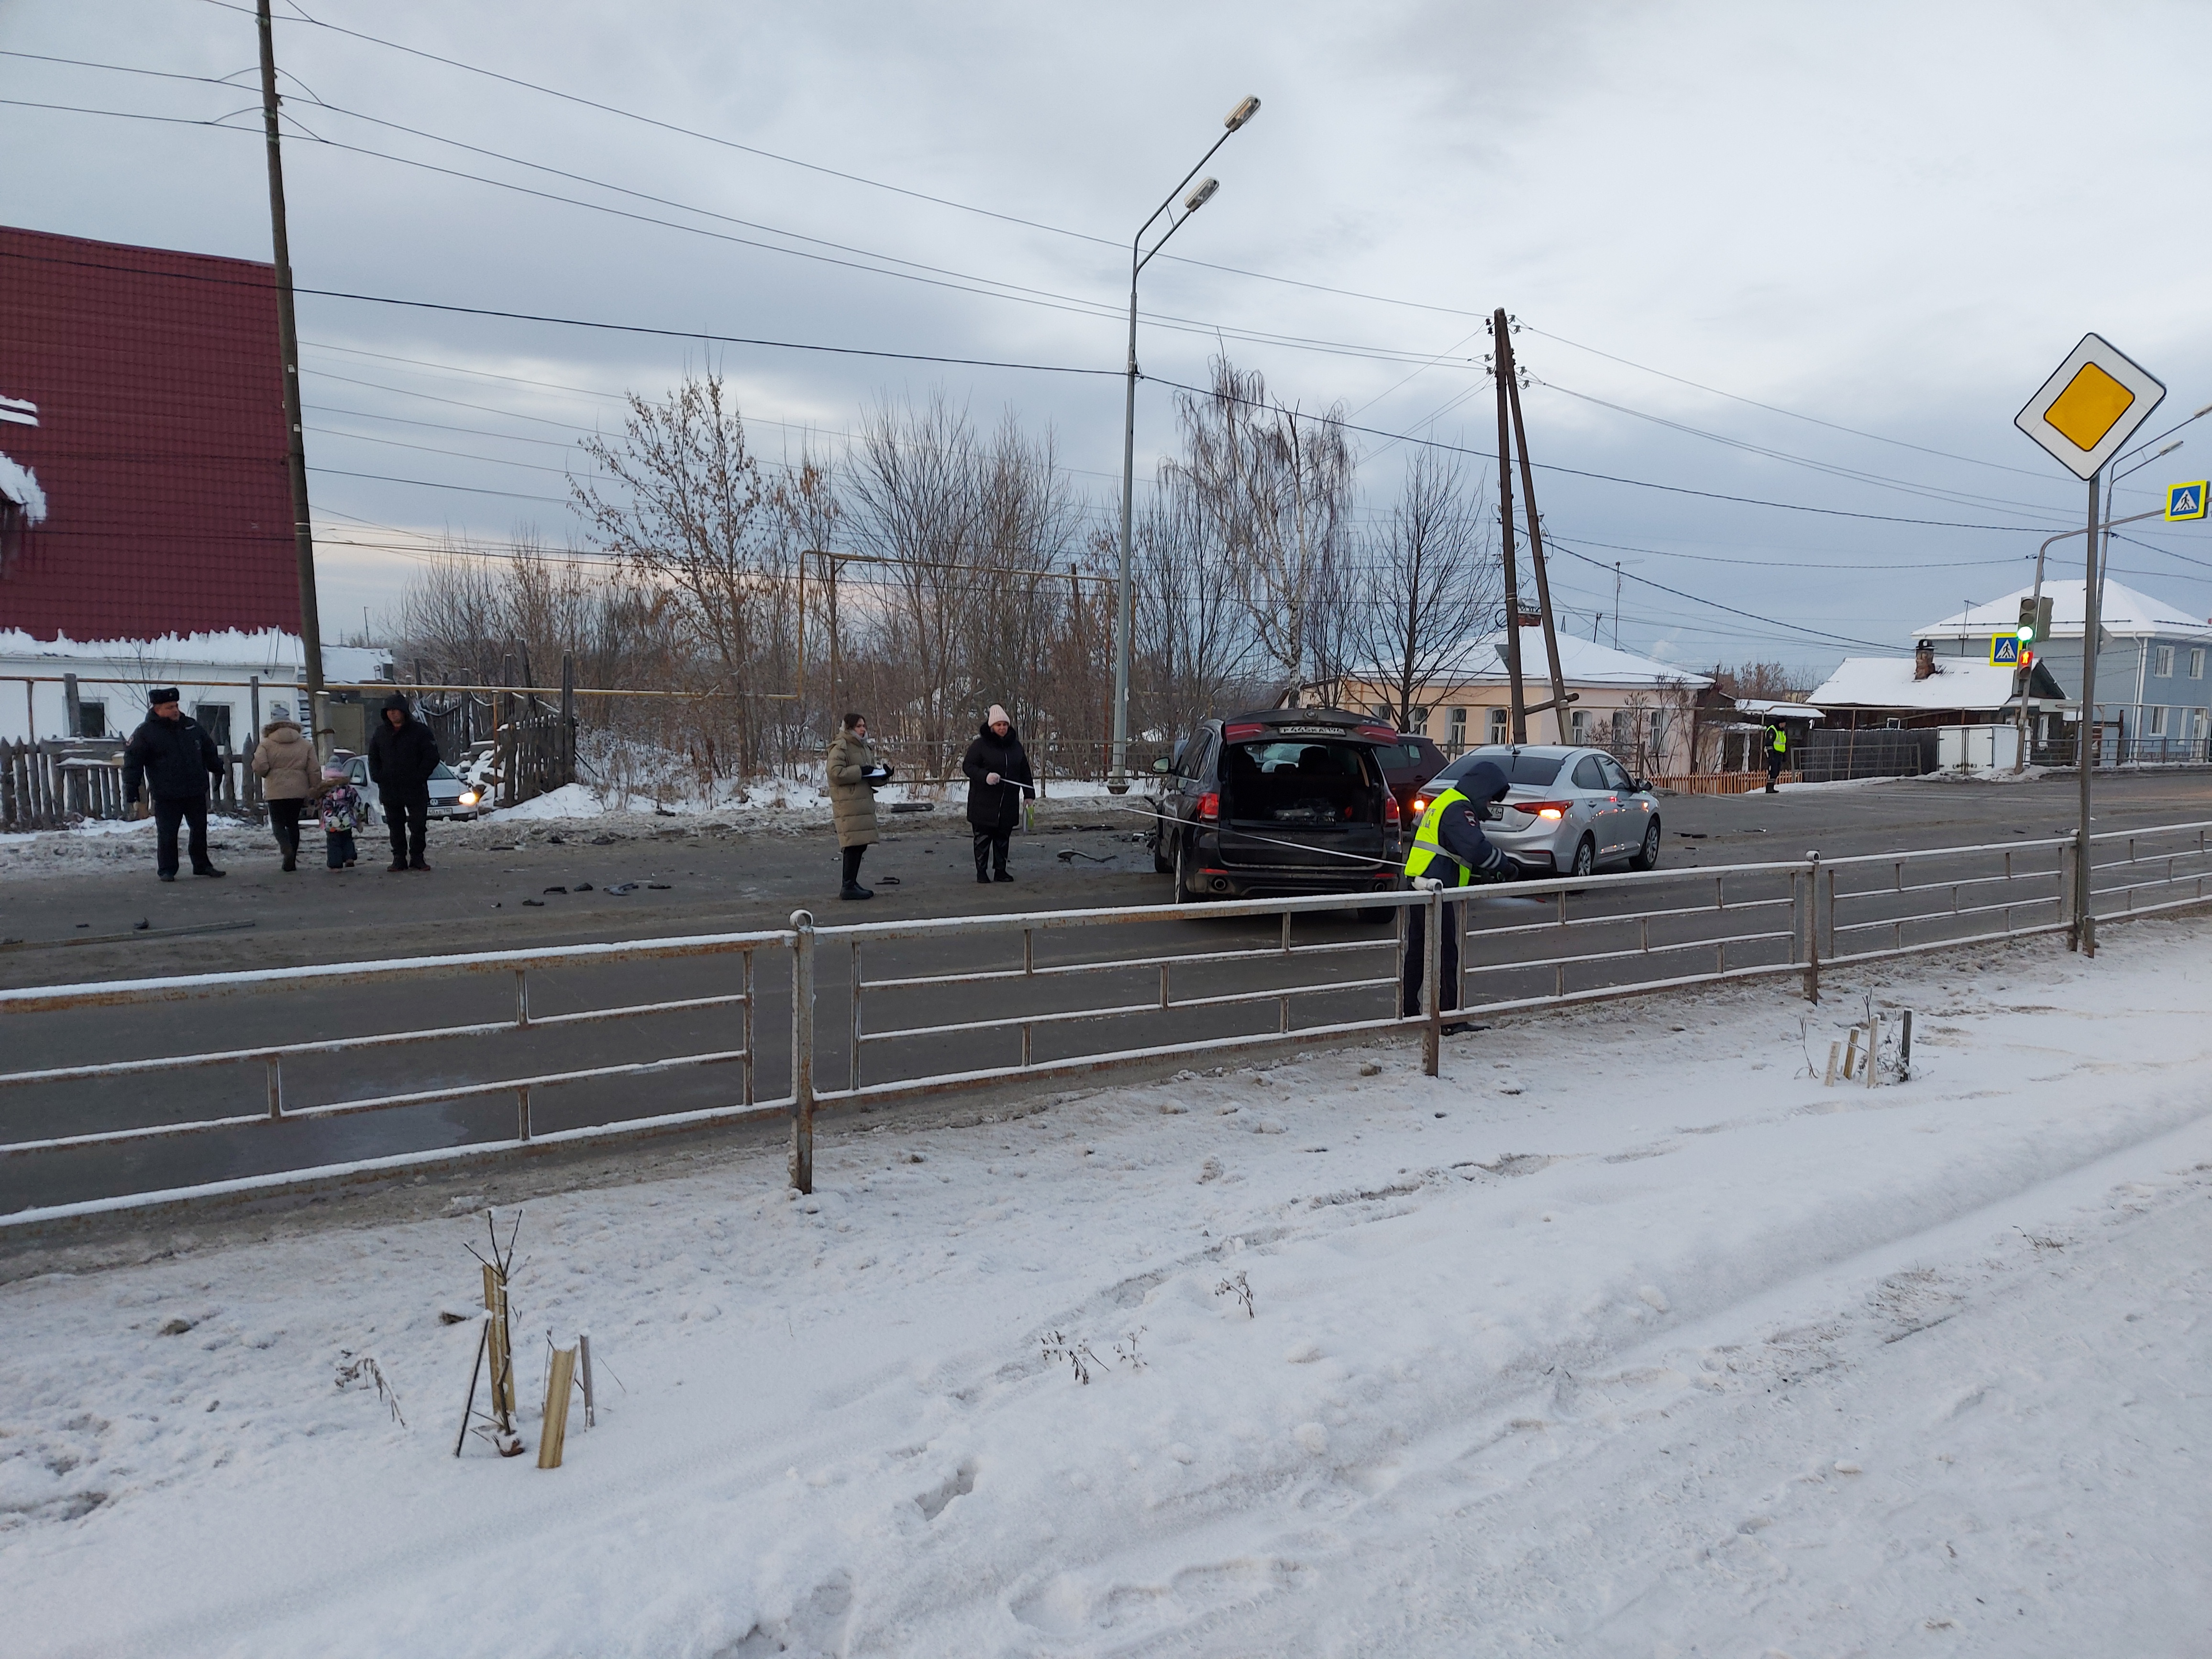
pixel 1607 477
pixel 701 335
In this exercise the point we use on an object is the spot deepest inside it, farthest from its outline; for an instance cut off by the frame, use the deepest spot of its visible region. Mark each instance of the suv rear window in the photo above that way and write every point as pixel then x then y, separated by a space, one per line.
pixel 1296 782
pixel 1527 771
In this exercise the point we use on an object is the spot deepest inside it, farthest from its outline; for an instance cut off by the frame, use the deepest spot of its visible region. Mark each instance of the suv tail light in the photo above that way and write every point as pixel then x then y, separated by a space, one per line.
pixel 1390 812
pixel 1209 807
pixel 1553 810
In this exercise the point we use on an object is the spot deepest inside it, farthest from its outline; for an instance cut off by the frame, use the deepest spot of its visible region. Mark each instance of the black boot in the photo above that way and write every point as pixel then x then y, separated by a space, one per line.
pixel 1001 874
pixel 852 890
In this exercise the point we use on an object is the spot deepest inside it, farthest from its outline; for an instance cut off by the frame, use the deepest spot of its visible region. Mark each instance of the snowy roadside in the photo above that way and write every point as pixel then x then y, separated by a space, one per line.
pixel 1624 1336
pixel 569 813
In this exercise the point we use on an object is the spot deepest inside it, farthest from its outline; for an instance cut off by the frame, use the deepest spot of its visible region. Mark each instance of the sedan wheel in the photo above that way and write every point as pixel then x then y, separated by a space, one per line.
pixel 1647 856
pixel 1585 857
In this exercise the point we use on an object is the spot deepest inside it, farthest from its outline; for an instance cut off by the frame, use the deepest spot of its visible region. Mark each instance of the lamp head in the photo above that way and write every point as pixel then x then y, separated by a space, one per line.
pixel 1199 198
pixel 1243 112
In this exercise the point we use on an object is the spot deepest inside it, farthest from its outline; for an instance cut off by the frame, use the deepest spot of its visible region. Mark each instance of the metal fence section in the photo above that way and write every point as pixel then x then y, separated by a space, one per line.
pixel 884 1012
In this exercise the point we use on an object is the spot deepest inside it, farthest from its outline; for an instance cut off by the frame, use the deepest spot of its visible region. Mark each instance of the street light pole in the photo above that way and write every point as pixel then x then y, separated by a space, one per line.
pixel 1117 777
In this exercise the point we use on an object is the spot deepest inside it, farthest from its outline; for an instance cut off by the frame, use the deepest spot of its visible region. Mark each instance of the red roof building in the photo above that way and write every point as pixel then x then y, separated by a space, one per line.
pixel 143 478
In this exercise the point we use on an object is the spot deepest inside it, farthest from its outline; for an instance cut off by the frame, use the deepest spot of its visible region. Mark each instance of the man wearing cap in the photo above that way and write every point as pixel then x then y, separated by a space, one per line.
pixel 402 755
pixel 173 757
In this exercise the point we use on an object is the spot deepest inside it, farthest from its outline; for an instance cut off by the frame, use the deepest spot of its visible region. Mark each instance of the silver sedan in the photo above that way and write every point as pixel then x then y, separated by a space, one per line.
pixel 1568 810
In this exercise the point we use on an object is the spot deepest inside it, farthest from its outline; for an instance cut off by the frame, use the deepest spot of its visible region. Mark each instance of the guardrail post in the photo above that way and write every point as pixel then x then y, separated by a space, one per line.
pixel 1432 971
pixel 522 1113
pixel 1812 880
pixel 275 1089
pixel 748 955
pixel 802 1051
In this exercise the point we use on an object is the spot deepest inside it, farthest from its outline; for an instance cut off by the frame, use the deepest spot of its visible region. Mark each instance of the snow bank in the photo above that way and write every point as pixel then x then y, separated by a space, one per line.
pixel 1624 1336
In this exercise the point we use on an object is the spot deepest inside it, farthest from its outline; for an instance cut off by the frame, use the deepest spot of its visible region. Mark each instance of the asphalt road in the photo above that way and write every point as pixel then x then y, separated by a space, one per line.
pixel 720 878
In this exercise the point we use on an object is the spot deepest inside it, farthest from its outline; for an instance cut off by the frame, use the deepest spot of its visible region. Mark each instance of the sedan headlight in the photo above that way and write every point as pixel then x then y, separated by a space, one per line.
pixel 470 797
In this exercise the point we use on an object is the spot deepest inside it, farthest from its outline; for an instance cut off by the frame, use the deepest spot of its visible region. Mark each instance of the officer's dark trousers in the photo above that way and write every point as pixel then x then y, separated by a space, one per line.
pixel 408 818
pixel 1417 923
pixel 168 812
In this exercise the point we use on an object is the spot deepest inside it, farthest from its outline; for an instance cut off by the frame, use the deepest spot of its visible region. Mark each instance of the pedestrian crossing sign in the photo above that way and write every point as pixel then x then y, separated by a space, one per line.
pixel 2004 650
pixel 2186 501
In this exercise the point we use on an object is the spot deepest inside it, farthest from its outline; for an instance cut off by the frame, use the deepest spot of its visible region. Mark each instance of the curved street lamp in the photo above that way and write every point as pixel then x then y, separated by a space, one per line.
pixel 1117 777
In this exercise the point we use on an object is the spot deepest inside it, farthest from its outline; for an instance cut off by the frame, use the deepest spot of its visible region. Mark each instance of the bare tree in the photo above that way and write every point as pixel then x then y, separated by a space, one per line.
pixel 1427 583
pixel 1193 648
pixel 682 502
pixel 1276 485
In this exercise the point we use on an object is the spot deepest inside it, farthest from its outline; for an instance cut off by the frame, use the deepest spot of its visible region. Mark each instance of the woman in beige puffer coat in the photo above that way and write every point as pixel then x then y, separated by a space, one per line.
pixel 290 777
pixel 855 774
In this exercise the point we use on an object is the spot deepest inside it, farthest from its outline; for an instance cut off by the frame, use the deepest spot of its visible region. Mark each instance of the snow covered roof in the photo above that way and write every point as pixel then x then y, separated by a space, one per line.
pixel 268 651
pixel 1582 662
pixel 1887 683
pixel 2124 612
pixel 1762 709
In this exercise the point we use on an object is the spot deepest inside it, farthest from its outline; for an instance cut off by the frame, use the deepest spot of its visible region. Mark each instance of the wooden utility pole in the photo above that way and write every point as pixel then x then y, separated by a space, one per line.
pixel 1501 362
pixel 288 344
pixel 1559 699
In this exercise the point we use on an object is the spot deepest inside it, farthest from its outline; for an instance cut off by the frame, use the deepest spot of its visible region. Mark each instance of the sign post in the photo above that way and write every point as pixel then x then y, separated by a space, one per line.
pixel 2092 403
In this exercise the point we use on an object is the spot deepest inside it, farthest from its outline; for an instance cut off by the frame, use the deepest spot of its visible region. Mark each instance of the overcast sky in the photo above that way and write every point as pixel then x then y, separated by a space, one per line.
pixel 1895 218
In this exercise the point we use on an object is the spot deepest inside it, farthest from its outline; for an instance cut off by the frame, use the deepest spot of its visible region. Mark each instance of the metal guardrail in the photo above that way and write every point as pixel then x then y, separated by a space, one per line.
pixel 1526 944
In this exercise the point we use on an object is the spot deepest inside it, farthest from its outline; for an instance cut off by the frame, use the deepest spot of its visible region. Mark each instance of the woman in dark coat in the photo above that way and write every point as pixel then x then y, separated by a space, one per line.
pixel 998 770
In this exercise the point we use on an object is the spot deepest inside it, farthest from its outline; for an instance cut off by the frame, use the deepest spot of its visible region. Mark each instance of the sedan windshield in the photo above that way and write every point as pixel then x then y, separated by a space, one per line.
pixel 1523 771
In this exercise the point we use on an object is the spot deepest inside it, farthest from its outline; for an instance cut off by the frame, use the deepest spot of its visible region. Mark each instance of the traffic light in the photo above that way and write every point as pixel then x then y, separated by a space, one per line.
pixel 2035 622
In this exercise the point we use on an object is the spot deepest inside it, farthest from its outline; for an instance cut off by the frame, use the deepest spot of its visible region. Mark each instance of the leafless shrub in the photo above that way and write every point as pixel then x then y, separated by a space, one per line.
pixel 1240 1289
pixel 1075 1352
pixel 352 1368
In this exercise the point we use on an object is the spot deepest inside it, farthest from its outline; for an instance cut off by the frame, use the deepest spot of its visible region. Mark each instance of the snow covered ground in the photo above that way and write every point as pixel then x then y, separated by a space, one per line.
pixel 1626 1336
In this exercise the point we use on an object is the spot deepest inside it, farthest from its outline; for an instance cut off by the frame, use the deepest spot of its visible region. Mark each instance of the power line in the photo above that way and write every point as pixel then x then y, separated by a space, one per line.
pixel 1753 616
pixel 1607 477
pixel 569 322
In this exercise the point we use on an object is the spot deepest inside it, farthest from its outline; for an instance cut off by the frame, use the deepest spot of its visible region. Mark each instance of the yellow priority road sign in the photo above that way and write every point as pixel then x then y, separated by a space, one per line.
pixel 2090 406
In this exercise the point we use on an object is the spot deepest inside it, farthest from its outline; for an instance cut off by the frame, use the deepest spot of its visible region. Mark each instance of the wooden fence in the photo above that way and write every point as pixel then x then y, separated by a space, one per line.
pixel 53 784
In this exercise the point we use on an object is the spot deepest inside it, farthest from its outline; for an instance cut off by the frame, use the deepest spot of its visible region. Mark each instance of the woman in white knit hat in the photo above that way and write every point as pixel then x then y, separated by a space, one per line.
pixel 998 776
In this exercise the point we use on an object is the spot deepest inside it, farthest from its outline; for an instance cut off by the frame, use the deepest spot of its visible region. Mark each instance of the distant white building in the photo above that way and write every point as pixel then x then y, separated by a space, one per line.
pixel 216 673
pixel 1640 709
pixel 2153 661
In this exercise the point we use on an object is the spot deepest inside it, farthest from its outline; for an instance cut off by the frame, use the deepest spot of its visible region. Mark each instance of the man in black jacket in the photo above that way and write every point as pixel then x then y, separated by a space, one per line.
pixel 402 755
pixel 998 776
pixel 173 757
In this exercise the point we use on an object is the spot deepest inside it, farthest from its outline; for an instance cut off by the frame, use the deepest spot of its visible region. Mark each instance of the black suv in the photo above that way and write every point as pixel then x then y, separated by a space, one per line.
pixel 1280 801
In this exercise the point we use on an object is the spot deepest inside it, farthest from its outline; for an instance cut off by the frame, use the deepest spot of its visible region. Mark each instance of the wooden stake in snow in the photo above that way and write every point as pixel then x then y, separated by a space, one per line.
pixel 560 1381
pixel 1834 1049
pixel 584 1369
pixel 1873 1050
pixel 1905 1049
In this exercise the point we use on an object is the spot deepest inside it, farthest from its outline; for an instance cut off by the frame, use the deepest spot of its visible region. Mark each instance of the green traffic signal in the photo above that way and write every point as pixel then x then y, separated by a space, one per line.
pixel 2025 634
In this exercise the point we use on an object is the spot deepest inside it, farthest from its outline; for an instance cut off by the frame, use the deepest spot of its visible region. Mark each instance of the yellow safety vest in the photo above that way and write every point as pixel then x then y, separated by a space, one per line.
pixel 1781 743
pixel 1427 846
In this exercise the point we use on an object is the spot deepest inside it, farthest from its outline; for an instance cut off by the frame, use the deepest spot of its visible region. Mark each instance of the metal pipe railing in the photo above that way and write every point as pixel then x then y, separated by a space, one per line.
pixel 1993 891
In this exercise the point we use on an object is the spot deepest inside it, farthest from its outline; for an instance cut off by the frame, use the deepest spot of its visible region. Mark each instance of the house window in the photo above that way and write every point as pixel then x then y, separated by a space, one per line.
pixel 1455 731
pixel 1578 726
pixel 1497 725
pixel 1421 722
pixel 2161 662
pixel 2198 719
pixel 2158 722
pixel 2197 664
pixel 215 720
pixel 92 720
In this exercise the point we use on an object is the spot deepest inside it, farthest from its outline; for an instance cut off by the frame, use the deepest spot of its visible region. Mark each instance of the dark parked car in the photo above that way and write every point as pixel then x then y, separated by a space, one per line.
pixel 1409 763
pixel 1282 800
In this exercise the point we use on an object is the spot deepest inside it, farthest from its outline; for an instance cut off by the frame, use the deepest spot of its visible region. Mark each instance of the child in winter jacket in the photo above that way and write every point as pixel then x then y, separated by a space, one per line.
pixel 342 811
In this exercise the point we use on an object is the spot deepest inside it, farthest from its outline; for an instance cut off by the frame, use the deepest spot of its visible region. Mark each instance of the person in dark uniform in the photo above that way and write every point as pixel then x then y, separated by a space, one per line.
pixel 1451 850
pixel 173 757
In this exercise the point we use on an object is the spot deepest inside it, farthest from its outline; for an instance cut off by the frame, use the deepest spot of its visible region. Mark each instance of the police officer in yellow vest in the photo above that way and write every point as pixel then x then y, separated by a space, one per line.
pixel 1778 745
pixel 1450 849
